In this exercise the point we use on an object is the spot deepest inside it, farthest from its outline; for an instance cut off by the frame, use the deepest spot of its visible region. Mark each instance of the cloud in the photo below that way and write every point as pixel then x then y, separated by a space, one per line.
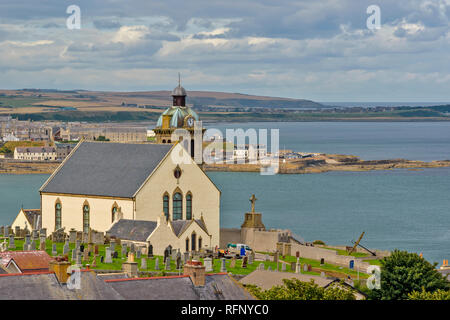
pixel 297 48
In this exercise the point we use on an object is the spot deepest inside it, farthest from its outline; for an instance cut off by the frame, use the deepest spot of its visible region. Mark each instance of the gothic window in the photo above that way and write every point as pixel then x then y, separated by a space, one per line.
pixel 114 212
pixel 166 206
pixel 58 219
pixel 188 206
pixel 193 241
pixel 187 244
pixel 86 218
pixel 177 206
pixel 199 243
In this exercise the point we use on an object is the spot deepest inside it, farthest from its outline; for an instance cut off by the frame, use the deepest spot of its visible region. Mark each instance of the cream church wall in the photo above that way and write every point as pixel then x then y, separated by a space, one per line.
pixel 163 236
pixel 205 196
pixel 21 222
pixel 72 211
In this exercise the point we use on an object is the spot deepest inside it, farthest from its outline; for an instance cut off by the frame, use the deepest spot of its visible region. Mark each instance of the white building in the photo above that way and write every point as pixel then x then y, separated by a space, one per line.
pixel 35 153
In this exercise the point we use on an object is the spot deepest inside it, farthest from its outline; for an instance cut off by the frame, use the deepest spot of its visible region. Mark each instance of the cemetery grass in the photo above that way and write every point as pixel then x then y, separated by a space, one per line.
pixel 326 267
pixel 345 253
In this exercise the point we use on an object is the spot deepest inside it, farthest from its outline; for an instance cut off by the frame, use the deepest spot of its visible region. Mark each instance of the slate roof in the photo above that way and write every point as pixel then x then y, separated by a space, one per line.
pixel 217 287
pixel 135 230
pixel 32 216
pixel 266 279
pixel 27 261
pixel 106 169
pixel 45 286
pixel 180 225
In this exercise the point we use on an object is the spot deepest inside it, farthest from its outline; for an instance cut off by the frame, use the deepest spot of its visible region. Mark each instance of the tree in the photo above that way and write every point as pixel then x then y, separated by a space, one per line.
pixel 403 272
pixel 297 290
pixel 424 295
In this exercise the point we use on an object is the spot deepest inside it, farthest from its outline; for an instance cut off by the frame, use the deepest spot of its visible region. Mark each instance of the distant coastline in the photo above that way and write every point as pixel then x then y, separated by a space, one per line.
pixel 323 163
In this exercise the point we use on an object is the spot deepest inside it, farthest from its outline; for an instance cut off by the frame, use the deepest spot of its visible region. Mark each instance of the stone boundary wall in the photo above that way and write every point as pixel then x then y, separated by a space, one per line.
pixel 229 235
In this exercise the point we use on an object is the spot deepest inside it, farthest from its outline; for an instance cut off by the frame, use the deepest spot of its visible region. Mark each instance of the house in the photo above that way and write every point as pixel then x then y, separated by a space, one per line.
pixel 266 279
pixel 28 219
pixel 100 183
pixel 25 261
pixel 56 284
pixel 35 153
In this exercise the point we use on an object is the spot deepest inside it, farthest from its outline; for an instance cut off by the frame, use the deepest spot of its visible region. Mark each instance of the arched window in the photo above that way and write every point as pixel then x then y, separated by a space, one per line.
pixel 199 243
pixel 58 218
pixel 188 206
pixel 187 244
pixel 166 206
pixel 193 241
pixel 114 210
pixel 86 218
pixel 177 206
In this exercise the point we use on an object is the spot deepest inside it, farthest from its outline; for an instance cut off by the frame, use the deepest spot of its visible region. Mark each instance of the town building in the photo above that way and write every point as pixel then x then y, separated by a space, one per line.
pixel 29 219
pixel 101 183
pixel 25 261
pixel 35 153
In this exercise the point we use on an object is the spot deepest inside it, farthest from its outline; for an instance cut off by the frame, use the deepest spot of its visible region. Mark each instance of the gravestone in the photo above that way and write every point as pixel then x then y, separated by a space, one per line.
pixel 138 254
pixel 82 248
pixel 43 232
pixel 166 254
pixel 25 246
pixel 251 258
pixel 54 252
pixel 115 255
pixel 309 268
pixel 261 266
pixel 322 274
pixel 27 239
pixel 244 262
pixel 266 257
pixel 112 244
pixel 17 231
pixel 96 249
pixel 78 260
pixel 108 258
pixel 66 247
pixel 34 235
pixel 269 268
pixel 283 267
pixel 133 248
pixel 293 266
pixel 12 244
pixel 173 255
pixel 305 267
pixel 32 245
pixel 275 258
pixel 41 243
pixel 223 266
pixel 179 264
pixel 167 263
pixel 298 266
pixel 185 257
pixel 124 250
pixel 143 264
pixel 150 251
pixel 157 263
pixel 102 259
pixel 74 254
pixel 233 263
pixel 208 264
pixel 86 255
pixel 72 235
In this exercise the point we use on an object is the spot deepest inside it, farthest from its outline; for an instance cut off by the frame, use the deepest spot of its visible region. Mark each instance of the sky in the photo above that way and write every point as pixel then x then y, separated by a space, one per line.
pixel 321 50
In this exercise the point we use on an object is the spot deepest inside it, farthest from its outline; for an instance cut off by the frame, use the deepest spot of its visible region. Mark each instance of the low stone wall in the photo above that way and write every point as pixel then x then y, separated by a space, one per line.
pixel 229 235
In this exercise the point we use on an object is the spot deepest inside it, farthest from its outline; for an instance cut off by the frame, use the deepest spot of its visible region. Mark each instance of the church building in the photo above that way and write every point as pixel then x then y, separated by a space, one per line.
pixel 150 193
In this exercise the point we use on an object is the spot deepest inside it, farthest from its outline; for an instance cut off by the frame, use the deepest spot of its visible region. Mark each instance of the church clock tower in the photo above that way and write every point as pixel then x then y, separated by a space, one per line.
pixel 178 116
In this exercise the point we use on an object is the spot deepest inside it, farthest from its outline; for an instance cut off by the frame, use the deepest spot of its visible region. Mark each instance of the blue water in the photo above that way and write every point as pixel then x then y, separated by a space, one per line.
pixel 425 141
pixel 402 209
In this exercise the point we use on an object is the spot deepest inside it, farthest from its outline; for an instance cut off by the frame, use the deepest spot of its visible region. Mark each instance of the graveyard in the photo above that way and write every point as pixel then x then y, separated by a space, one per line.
pixel 96 259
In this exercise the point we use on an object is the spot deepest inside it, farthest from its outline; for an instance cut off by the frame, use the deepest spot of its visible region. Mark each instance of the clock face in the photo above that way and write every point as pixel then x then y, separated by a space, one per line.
pixel 190 122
